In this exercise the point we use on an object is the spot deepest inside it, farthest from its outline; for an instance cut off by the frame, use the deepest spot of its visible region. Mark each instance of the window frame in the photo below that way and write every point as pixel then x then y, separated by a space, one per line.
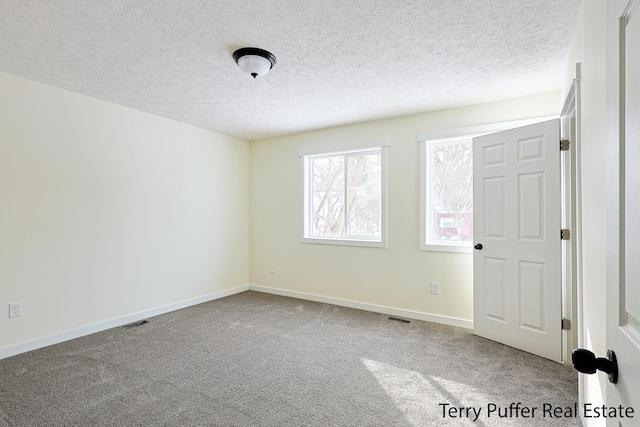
pixel 305 156
pixel 449 135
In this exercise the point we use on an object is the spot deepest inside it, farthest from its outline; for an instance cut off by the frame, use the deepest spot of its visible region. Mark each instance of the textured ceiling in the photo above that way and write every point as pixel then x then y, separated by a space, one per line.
pixel 339 61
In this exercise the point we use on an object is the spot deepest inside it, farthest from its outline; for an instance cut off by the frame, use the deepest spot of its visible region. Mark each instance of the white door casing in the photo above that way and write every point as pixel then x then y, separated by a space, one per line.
pixel 623 204
pixel 517 206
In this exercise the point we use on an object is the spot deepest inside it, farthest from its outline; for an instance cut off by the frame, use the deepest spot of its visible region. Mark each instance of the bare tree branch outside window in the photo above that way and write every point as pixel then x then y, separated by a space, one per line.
pixel 351 210
pixel 451 190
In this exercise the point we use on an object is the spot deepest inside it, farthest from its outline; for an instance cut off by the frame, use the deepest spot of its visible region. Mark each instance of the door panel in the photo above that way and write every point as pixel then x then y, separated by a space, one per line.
pixel 623 204
pixel 530 149
pixel 493 155
pixel 517 274
pixel 531 206
pixel 531 278
pixel 494 299
pixel 495 212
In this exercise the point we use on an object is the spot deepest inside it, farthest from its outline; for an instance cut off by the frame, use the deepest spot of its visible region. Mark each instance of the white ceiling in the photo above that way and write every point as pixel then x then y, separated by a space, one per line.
pixel 339 61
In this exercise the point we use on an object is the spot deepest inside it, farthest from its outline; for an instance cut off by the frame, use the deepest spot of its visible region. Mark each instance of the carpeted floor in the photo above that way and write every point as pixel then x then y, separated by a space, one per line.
pixel 255 359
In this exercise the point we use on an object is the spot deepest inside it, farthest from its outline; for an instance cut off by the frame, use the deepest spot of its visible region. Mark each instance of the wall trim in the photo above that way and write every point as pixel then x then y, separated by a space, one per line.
pixel 58 338
pixel 417 315
pixel 113 323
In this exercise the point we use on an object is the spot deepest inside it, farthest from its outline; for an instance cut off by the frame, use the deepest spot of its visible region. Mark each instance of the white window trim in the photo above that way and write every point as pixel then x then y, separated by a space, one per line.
pixel 303 154
pixel 424 138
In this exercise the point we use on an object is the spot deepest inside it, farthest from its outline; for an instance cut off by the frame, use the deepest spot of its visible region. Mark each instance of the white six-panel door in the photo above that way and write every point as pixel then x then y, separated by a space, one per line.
pixel 517 208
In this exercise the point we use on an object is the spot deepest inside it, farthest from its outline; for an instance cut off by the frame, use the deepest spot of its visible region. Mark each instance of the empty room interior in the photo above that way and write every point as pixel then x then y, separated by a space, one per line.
pixel 322 213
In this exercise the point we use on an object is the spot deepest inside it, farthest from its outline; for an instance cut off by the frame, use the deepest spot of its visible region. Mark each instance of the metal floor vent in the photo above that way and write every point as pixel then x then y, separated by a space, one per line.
pixel 134 324
pixel 400 320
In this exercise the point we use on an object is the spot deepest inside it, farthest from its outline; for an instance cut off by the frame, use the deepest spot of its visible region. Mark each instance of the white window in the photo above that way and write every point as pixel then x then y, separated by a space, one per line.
pixel 448 199
pixel 344 195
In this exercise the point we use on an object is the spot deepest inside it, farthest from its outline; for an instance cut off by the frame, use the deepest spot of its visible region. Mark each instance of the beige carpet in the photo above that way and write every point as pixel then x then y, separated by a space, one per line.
pixel 255 359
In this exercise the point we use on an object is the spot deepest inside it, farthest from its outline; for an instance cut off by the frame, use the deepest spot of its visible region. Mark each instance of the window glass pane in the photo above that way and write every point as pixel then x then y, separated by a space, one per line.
pixel 327 196
pixel 343 197
pixel 364 194
pixel 451 192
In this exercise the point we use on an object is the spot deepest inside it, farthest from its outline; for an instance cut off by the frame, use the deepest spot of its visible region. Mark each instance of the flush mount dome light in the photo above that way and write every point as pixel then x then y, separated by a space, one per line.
pixel 254 61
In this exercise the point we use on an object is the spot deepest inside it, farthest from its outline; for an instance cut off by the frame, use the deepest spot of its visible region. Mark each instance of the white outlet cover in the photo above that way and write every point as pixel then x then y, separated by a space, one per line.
pixel 15 309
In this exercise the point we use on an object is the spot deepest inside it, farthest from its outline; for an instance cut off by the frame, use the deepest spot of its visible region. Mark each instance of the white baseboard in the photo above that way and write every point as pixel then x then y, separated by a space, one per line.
pixel 435 318
pixel 113 323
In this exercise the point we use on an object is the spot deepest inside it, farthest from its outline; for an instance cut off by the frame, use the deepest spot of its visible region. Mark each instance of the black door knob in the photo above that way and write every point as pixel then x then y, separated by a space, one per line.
pixel 586 362
pixel 478 246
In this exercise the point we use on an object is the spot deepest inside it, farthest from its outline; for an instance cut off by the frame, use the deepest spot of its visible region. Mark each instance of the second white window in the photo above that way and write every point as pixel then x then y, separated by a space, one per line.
pixel 448 211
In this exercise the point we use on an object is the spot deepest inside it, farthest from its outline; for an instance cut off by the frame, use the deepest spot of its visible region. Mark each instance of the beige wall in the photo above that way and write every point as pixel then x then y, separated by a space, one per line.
pixel 106 211
pixel 398 276
pixel 589 49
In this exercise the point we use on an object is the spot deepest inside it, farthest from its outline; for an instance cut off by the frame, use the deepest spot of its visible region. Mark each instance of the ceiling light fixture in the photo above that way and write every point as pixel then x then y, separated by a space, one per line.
pixel 254 61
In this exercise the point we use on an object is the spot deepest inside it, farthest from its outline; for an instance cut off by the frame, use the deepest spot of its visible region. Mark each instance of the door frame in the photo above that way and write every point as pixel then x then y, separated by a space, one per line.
pixel 570 125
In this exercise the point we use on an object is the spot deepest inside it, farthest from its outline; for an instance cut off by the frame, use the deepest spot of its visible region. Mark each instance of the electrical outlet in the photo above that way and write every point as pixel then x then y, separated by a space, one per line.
pixel 272 268
pixel 435 288
pixel 15 309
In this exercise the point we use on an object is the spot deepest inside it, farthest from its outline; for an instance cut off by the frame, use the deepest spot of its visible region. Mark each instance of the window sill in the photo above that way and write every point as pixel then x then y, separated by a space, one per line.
pixel 446 248
pixel 345 242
